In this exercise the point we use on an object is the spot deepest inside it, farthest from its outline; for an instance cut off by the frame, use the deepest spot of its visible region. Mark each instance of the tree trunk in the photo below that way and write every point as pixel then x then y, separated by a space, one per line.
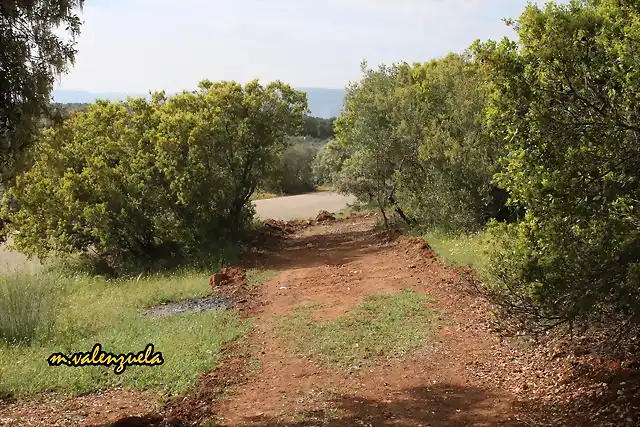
pixel 370 196
pixel 399 211
pixel 406 219
pixel 384 216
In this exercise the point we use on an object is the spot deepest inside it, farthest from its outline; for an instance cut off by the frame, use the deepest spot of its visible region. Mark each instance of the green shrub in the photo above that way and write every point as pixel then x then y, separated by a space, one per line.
pixel 413 139
pixel 297 171
pixel 565 99
pixel 446 182
pixel 328 162
pixel 366 130
pixel 27 310
pixel 295 174
pixel 142 182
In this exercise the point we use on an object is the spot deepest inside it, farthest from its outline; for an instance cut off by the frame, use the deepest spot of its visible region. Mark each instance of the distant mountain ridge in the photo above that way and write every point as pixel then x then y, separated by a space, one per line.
pixel 324 103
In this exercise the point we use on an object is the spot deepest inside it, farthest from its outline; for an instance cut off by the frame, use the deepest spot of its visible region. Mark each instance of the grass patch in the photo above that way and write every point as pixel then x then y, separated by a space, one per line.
pixel 27 307
pixel 94 310
pixel 302 417
pixel 256 277
pixel 461 249
pixel 254 364
pixel 323 416
pixel 383 326
pixel 333 413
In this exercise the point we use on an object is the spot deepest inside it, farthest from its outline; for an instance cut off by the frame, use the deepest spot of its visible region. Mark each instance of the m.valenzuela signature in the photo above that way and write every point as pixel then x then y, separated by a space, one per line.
pixel 98 357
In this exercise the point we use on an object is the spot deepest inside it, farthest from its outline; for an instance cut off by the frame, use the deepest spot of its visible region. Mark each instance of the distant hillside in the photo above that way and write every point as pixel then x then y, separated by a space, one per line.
pixel 324 103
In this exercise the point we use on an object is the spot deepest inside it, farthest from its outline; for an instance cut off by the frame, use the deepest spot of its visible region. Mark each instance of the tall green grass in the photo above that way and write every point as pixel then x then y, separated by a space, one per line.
pixel 27 306
pixel 89 310
pixel 461 249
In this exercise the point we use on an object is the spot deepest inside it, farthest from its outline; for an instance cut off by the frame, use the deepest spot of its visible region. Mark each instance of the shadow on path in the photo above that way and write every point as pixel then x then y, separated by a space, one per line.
pixel 442 405
pixel 315 250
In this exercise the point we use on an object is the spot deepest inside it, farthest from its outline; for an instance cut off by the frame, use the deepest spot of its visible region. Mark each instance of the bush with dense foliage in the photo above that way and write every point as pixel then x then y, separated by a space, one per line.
pixel 294 174
pixel 367 129
pixel 327 163
pixel 566 99
pixel 141 181
pixel 318 128
pixel 446 179
pixel 413 138
pixel 297 173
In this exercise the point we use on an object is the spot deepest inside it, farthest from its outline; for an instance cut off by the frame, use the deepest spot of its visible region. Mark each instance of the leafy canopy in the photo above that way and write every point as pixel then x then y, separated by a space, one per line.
pixel 366 129
pixel 413 138
pixel 446 181
pixel 32 54
pixel 566 100
pixel 140 181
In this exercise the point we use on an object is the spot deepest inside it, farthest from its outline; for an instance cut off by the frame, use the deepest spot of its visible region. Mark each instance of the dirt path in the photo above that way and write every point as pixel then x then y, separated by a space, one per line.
pixel 336 266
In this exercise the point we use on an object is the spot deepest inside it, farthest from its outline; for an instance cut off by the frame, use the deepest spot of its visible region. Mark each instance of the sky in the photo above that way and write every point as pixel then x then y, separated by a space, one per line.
pixel 141 45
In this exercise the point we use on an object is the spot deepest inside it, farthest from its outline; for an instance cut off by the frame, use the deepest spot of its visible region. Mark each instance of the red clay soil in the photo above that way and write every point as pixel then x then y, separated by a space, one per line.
pixel 337 266
pixel 467 376
pixel 49 411
pixel 227 276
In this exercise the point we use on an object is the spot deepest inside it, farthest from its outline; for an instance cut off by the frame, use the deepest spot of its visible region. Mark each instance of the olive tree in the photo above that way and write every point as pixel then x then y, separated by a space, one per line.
pixel 367 128
pixel 446 182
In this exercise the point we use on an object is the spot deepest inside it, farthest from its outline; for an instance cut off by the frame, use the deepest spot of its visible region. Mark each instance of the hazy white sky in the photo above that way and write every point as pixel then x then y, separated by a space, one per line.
pixel 142 45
